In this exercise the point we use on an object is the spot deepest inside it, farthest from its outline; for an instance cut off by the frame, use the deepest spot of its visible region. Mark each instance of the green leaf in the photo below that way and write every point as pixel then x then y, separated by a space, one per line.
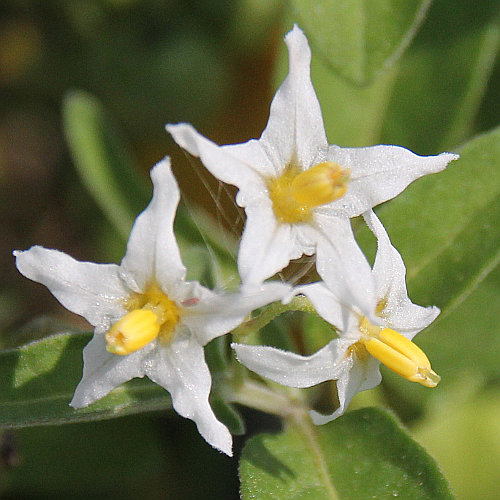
pixel 446 73
pixel 352 116
pixel 364 454
pixel 462 345
pixel 446 225
pixel 102 160
pixel 359 39
pixel 38 380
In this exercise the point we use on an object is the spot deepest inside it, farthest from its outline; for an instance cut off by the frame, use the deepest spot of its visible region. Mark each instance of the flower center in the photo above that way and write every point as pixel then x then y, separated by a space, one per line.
pixel 398 353
pixel 295 193
pixel 152 315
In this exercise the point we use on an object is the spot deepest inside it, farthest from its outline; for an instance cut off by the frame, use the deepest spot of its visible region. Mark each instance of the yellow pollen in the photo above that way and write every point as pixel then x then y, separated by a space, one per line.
pixel 295 193
pixel 381 305
pixel 359 350
pixel 152 315
pixel 398 353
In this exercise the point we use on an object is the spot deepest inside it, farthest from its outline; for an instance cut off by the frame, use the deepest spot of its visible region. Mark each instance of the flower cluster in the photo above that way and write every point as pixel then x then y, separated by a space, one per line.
pixel 299 194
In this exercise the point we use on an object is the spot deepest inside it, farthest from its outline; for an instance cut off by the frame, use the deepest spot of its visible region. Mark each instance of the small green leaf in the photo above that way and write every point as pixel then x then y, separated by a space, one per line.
pixel 102 160
pixel 37 382
pixel 360 38
pixel 364 454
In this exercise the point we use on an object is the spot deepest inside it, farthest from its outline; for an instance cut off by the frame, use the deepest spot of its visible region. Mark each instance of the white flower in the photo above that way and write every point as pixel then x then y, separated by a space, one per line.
pixel 366 335
pixel 148 320
pixel 299 192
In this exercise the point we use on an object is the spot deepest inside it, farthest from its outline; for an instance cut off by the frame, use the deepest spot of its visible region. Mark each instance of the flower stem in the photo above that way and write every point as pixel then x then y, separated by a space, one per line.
pixel 260 397
pixel 269 313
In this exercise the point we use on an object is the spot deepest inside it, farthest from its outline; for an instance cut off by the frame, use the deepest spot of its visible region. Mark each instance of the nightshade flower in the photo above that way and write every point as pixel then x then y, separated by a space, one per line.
pixel 366 336
pixel 148 320
pixel 298 192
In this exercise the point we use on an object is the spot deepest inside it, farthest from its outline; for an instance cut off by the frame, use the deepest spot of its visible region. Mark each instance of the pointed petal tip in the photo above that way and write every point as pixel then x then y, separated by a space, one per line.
pixel 298 48
pixel 186 136
pixel 296 31
pixel 226 447
pixel 320 419
pixel 77 403
pixel 449 156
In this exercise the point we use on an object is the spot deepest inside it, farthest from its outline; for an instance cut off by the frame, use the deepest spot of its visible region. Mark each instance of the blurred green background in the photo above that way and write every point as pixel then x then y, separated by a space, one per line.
pixel 213 63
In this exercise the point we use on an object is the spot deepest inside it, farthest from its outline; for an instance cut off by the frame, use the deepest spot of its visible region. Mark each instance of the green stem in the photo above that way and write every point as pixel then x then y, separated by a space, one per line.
pixel 269 313
pixel 301 420
pixel 260 397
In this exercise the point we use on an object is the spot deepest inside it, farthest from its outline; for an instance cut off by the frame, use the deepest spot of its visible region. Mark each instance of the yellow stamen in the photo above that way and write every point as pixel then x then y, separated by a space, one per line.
pixel 132 332
pixel 152 315
pixel 398 353
pixel 320 184
pixel 295 193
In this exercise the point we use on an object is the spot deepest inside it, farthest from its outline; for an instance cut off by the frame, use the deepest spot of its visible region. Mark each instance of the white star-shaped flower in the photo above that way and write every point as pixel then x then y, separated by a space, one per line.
pixel 148 320
pixel 298 192
pixel 367 336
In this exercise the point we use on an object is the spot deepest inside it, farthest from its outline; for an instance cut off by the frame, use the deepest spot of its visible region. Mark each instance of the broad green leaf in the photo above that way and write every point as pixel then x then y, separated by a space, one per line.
pixel 359 39
pixel 38 380
pixel 446 225
pixel 102 160
pixel 353 116
pixel 446 228
pixel 462 345
pixel 443 76
pixel 364 454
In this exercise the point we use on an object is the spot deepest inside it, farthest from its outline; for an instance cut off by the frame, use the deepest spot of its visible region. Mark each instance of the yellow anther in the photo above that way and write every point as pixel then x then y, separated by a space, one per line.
pixel 286 208
pixel 132 332
pixel 320 184
pixel 398 353
pixel 294 194
pixel 152 315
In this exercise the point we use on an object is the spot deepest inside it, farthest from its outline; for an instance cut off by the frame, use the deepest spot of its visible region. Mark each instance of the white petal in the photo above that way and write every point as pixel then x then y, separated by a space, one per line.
pixel 103 371
pixel 242 165
pixel 181 369
pixel 94 291
pixel 295 131
pixel 379 173
pixel 266 247
pixel 325 303
pixel 222 313
pixel 390 278
pixel 293 370
pixel 356 377
pixel 343 266
pixel 152 251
